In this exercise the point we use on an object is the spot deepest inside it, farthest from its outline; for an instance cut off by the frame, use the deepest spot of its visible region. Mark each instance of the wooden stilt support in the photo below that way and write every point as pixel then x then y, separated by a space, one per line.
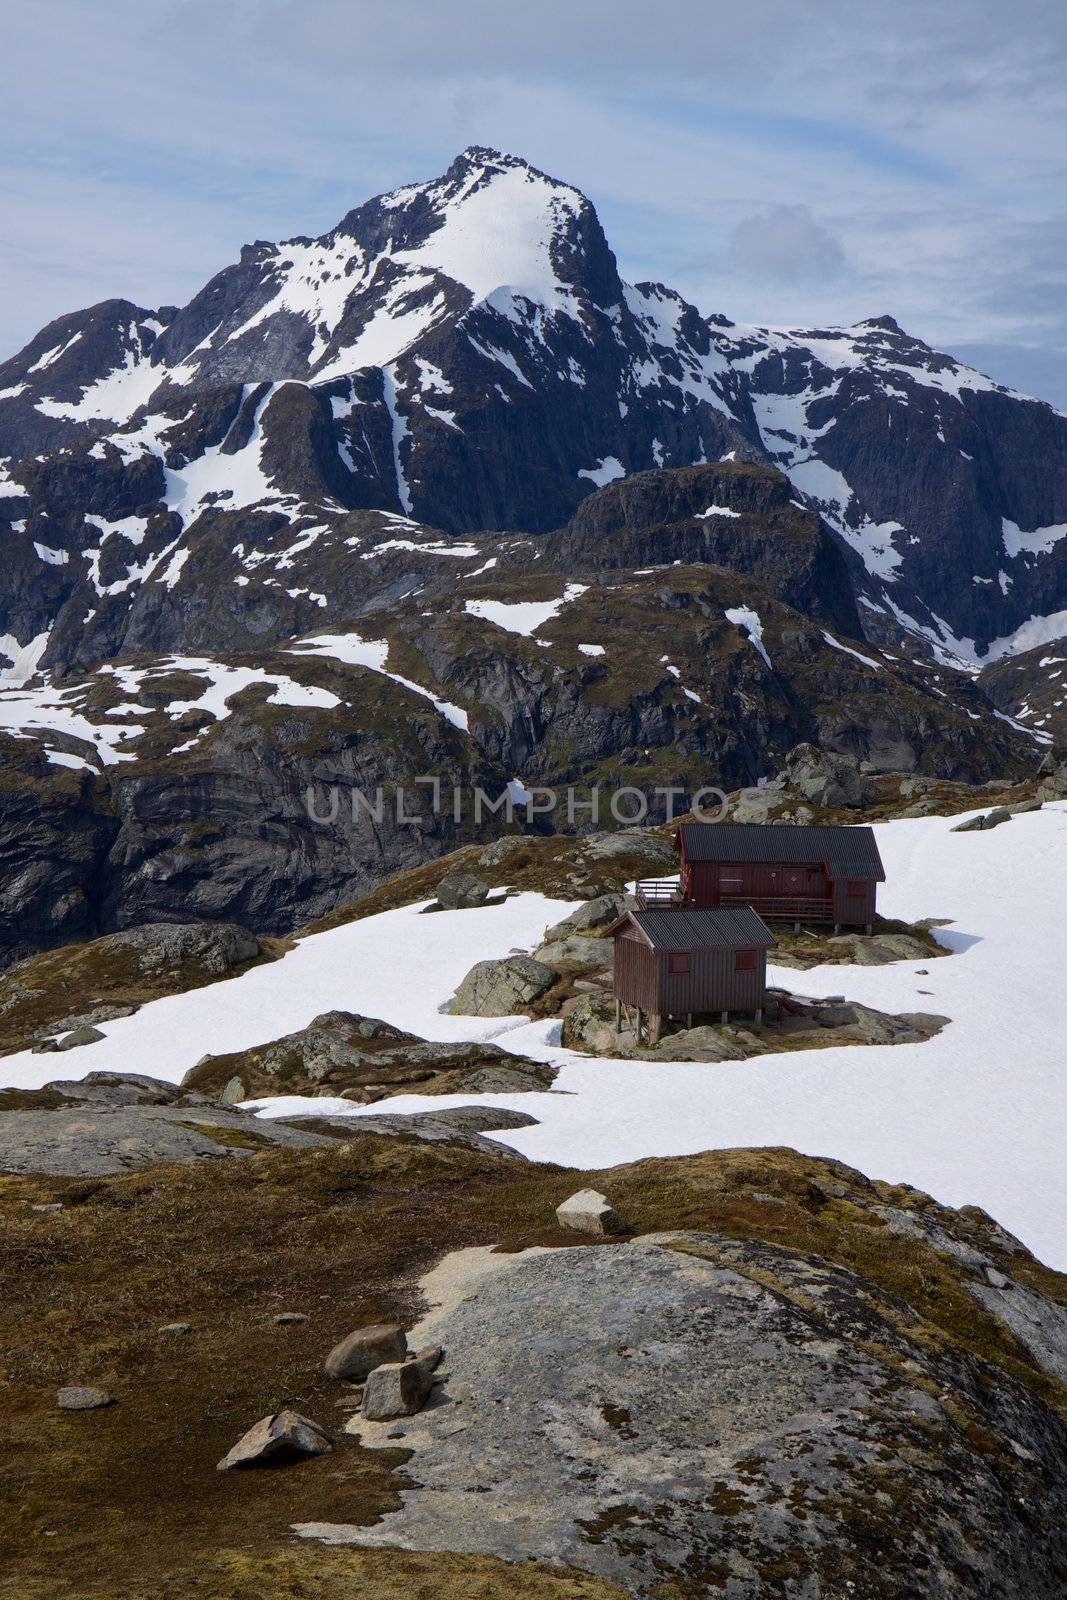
pixel 759 1016
pixel 837 927
pixel 724 1016
pixel 689 1019
pixel 637 1030
pixel 618 1015
pixel 869 929
pixel 656 1022
pixel 796 926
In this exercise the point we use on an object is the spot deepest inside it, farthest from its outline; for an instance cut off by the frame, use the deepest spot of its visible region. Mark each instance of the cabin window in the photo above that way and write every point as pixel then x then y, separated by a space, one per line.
pixel 732 884
pixel 678 963
pixel 745 961
pixel 855 888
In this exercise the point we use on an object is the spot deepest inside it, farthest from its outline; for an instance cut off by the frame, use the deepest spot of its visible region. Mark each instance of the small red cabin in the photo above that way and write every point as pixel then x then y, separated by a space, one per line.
pixel 806 874
pixel 688 963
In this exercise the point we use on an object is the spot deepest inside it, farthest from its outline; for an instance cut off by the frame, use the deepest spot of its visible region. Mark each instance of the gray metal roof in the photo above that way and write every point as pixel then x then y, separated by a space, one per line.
pixel 848 852
pixel 729 929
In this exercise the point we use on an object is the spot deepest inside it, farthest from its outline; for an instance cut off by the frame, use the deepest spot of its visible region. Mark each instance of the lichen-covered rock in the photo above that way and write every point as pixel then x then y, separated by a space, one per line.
pixel 589 1211
pixel 878 950
pixel 596 913
pixel 661 1411
pixel 363 1058
pixel 825 777
pixel 284 1435
pixel 364 1349
pixel 461 891
pixel 501 988
pixel 576 954
pixel 81 1397
pixel 397 1389
pixel 215 946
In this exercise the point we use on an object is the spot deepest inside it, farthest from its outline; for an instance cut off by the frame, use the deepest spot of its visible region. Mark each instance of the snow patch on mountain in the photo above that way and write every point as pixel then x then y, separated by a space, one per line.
pixel 523 616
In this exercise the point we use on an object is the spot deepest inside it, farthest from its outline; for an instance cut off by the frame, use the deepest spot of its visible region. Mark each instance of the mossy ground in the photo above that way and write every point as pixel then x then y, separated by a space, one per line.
pixel 125 1504
pixel 56 984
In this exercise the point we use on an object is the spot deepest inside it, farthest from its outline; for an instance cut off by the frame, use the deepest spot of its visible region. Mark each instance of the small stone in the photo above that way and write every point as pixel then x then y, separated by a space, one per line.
pixel 282 1435
pixel 396 1389
pixel 284 1317
pixel 351 1401
pixel 177 1327
pixel 366 1348
pixel 589 1212
pixel 429 1357
pixel 53 1205
pixel 45 1047
pixel 78 1398
pixel 995 1279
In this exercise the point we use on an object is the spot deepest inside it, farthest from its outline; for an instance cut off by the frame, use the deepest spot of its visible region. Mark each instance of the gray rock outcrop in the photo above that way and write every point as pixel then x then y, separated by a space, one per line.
pixel 96 1139
pixel 826 778
pixel 461 891
pixel 729 1386
pixel 501 988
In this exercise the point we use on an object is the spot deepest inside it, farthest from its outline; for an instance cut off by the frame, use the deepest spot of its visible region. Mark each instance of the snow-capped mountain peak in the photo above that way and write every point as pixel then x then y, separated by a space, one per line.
pixel 463 351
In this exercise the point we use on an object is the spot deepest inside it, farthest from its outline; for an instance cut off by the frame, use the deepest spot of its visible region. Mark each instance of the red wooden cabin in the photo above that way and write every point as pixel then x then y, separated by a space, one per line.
pixel 804 874
pixel 682 963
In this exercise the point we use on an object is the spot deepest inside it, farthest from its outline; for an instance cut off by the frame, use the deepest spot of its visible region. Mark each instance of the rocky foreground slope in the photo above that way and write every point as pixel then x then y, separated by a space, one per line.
pixel 784 1380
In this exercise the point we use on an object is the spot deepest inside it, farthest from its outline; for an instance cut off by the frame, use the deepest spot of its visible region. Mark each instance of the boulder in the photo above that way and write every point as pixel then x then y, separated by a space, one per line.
pixel 501 988
pixel 826 778
pixel 461 891
pixel 588 1211
pixel 878 950
pixel 990 819
pixel 576 954
pixel 366 1348
pixel 652 848
pixel 1053 775
pixel 596 913
pixel 284 1435
pixel 499 851
pixel 162 946
pixel 115 1089
pixel 397 1389
pixel 77 1397
pixel 703 1043
pixel 79 1036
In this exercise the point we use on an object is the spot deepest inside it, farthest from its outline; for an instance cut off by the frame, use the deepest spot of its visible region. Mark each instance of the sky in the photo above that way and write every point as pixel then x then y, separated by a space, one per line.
pixel 776 162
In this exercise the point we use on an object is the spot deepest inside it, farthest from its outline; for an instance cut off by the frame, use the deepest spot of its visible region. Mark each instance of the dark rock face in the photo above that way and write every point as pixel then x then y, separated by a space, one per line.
pixel 729 515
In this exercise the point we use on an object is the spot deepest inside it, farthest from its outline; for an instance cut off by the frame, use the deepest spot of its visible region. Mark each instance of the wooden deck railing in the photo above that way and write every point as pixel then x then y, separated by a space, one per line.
pixel 815 908
pixel 658 893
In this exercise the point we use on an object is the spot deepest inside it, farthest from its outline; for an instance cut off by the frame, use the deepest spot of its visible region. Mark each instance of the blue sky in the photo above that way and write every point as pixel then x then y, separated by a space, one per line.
pixel 775 162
